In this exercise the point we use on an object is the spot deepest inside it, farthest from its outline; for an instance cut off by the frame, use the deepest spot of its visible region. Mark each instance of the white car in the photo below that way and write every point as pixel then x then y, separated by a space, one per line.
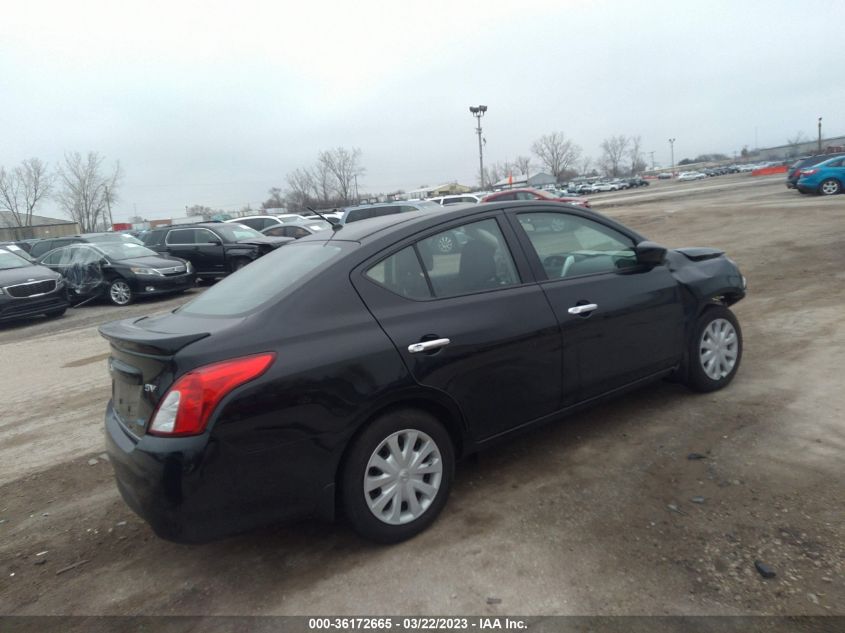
pixel 457 199
pixel 261 222
pixel 604 186
pixel 692 175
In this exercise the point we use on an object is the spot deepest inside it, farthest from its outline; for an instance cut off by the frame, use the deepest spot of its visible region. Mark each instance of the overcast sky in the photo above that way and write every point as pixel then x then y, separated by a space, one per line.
pixel 214 102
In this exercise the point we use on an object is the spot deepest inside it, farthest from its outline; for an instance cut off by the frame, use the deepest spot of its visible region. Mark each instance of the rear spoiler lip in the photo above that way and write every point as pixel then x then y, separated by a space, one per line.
pixel 129 337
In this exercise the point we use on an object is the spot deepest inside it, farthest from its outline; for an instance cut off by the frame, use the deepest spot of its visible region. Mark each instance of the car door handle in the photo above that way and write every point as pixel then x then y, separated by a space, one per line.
pixel 584 309
pixel 427 346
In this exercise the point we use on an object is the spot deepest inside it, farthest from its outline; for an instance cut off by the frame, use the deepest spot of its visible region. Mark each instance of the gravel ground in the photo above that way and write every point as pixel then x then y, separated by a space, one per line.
pixel 603 513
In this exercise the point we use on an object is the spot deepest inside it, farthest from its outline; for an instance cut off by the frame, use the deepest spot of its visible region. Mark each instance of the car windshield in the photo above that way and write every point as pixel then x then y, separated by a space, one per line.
pixel 10 260
pixel 129 250
pixel 267 278
pixel 236 232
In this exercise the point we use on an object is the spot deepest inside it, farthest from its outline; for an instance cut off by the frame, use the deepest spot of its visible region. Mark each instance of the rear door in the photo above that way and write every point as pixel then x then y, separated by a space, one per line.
pixel 619 321
pixel 470 323
pixel 195 245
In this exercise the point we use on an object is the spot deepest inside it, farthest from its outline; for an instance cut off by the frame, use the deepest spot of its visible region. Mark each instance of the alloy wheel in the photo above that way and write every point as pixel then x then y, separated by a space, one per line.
pixel 829 187
pixel 403 477
pixel 718 349
pixel 120 293
pixel 445 243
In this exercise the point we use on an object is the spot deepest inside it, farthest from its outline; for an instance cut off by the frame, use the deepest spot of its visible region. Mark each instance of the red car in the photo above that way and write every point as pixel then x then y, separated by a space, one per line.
pixel 527 193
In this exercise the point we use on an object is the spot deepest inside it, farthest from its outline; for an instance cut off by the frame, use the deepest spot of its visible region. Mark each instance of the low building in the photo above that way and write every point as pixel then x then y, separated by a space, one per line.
pixel 448 189
pixel 513 181
pixel 41 227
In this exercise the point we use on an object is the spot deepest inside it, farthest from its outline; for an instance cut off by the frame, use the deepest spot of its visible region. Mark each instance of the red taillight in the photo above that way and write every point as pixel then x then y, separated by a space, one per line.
pixel 187 406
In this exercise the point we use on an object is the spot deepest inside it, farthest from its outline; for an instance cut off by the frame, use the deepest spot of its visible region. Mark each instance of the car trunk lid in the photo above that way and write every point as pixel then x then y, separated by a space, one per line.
pixel 142 365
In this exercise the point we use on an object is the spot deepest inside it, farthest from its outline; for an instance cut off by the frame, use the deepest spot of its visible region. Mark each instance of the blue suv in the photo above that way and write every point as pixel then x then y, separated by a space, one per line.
pixel 826 178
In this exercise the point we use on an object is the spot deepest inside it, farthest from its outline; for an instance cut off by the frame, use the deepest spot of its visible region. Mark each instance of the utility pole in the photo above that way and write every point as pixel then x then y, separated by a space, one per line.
pixel 820 135
pixel 672 150
pixel 652 160
pixel 478 112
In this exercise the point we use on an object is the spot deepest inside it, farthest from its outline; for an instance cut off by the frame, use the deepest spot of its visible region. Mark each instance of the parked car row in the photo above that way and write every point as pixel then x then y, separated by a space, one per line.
pixel 354 381
pixel 119 268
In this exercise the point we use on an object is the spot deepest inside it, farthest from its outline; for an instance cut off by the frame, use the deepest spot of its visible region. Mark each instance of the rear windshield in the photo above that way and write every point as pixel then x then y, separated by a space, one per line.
pixel 264 279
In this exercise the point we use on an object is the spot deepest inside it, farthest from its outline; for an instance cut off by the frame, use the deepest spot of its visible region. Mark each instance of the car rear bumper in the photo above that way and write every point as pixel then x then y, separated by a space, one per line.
pixel 195 489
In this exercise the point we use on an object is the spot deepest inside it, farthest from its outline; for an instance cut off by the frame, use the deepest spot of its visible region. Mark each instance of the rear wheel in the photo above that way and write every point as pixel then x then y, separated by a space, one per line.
pixel 830 187
pixel 119 293
pixel 397 476
pixel 239 263
pixel 445 243
pixel 715 350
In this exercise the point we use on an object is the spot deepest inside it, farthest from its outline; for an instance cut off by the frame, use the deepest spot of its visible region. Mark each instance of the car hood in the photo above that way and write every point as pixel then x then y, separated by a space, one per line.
pixel 11 276
pixel 267 240
pixel 150 261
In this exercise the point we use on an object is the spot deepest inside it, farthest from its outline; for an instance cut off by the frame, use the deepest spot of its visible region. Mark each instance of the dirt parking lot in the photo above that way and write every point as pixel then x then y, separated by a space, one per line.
pixel 594 515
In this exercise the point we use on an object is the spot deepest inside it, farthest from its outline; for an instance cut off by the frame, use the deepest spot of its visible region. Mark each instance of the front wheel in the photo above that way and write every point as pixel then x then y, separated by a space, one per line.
pixel 830 187
pixel 397 476
pixel 119 293
pixel 715 350
pixel 239 263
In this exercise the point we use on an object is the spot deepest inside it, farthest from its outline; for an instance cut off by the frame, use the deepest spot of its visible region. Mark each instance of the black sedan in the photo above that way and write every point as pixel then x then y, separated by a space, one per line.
pixel 27 289
pixel 118 271
pixel 215 249
pixel 349 370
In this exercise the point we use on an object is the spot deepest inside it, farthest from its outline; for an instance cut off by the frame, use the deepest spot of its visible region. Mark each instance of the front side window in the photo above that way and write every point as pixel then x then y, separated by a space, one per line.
pixel 569 245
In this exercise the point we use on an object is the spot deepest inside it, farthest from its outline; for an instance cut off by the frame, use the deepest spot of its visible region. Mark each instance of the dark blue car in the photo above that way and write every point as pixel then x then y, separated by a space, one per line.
pixel 826 178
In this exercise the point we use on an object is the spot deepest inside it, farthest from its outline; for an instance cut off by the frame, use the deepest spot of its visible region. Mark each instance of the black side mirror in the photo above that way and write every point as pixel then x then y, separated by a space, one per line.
pixel 650 254
pixel 215 242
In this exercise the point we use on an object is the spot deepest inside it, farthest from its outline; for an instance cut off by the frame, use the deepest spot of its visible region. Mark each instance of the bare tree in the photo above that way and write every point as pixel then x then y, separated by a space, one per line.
pixel 23 188
pixel 345 167
pixel 523 164
pixel 86 191
pixel 613 151
pixel 323 181
pixel 556 152
pixel 584 165
pixel 638 163
pixel 275 201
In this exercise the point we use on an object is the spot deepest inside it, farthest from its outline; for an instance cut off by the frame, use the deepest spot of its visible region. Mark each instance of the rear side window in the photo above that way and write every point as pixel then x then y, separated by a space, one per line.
pixel 462 260
pixel 153 238
pixel 402 274
pixel 269 278
pixel 39 248
pixel 182 236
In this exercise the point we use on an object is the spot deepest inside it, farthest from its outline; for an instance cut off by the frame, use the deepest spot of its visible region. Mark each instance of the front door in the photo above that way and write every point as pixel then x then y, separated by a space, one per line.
pixel 619 321
pixel 470 323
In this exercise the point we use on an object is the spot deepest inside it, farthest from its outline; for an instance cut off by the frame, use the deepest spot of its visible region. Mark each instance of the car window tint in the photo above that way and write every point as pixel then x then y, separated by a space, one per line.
pixel 53 258
pixel 569 245
pixel 182 236
pixel 267 279
pixel 401 273
pixel 467 259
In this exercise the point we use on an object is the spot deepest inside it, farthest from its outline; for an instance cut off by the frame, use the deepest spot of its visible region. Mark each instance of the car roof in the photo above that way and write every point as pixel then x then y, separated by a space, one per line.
pixel 373 228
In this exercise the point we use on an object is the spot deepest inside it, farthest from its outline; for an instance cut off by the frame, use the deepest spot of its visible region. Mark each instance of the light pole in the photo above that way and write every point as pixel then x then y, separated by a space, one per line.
pixel 478 112
pixel 652 160
pixel 672 151
pixel 820 135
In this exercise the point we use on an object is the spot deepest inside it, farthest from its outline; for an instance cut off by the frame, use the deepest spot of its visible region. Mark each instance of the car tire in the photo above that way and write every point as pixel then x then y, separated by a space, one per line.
pixel 379 453
pixel 119 293
pixel 715 350
pixel 830 187
pixel 239 263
